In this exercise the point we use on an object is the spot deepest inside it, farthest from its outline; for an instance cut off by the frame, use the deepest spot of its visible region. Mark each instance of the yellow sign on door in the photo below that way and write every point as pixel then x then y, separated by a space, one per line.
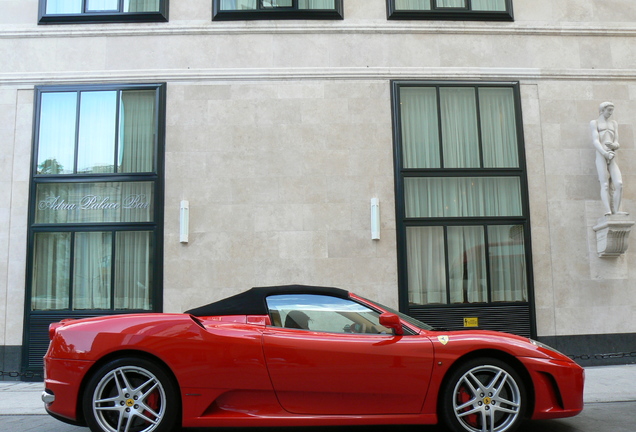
pixel 471 322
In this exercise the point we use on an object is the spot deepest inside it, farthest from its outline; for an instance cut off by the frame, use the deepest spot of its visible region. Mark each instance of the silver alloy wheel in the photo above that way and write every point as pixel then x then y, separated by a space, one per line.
pixel 129 399
pixel 486 399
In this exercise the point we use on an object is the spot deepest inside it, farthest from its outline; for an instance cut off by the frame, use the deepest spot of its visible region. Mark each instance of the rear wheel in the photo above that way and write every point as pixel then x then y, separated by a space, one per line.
pixel 130 395
pixel 484 395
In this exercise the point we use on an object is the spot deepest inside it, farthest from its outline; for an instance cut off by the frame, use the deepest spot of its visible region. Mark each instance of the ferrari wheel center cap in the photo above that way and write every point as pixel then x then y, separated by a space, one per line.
pixel 487 401
pixel 130 402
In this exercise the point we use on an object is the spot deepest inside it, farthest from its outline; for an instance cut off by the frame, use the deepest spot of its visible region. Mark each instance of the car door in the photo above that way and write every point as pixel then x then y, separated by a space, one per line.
pixel 330 356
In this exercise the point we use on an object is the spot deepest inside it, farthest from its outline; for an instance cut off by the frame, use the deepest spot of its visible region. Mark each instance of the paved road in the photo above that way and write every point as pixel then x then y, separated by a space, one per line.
pixel 596 417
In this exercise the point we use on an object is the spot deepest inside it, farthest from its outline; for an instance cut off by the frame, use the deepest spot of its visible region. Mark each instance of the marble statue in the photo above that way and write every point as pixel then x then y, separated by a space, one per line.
pixel 605 140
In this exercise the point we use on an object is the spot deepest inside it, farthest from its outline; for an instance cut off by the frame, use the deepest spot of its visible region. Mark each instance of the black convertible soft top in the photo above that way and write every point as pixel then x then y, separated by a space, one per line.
pixel 252 302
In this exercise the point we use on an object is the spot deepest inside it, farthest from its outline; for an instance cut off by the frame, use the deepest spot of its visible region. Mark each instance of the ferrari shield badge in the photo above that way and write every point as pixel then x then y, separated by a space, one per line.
pixel 443 339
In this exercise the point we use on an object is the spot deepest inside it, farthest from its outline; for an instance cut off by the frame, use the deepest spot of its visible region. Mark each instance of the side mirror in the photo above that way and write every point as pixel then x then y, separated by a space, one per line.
pixel 392 321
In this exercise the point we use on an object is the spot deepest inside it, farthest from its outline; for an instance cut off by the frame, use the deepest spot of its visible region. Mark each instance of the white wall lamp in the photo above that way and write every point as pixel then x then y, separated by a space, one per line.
pixel 184 221
pixel 375 219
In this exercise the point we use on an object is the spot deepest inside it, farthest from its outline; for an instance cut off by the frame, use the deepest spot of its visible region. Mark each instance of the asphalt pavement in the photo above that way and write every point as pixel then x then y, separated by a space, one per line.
pixel 610 405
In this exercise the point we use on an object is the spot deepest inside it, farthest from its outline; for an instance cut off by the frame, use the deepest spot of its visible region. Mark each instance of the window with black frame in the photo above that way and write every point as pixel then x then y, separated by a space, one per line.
pixel 462 204
pixel 97 11
pixel 485 10
pixel 276 9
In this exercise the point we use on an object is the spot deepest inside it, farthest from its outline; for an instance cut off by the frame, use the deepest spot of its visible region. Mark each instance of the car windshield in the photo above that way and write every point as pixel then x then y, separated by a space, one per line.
pixel 415 322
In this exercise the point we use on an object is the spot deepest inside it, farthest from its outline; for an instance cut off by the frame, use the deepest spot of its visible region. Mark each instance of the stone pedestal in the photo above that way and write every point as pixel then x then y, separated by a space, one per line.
pixel 612 234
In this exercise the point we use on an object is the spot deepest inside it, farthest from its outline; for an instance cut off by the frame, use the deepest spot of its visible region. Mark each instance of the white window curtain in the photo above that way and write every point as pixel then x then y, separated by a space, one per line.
pixel 498 128
pixel 412 4
pixel 133 270
pixel 467 265
pixel 141 5
pixel 462 197
pixel 420 132
pixel 426 265
pixel 54 7
pixel 50 276
pixel 102 5
pixel 460 135
pixel 507 263
pixel 489 5
pixel 92 270
pixel 137 131
pixel 451 3
pixel 317 4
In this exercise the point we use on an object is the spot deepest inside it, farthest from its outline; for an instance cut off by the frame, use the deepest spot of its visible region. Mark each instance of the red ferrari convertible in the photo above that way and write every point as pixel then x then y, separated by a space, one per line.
pixel 299 356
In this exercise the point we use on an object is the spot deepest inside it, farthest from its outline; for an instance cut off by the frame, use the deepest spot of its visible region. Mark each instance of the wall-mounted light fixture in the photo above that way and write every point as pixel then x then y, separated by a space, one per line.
pixel 184 221
pixel 375 219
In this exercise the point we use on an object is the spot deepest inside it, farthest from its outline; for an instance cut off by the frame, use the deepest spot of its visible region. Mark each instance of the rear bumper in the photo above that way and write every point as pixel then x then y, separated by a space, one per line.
pixel 558 387
pixel 62 388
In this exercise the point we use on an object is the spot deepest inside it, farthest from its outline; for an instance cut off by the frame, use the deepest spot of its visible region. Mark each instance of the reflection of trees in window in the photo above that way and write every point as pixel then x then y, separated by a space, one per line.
pixel 50 166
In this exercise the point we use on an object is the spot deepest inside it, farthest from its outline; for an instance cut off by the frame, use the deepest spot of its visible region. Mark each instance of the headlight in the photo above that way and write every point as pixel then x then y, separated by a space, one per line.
pixel 546 347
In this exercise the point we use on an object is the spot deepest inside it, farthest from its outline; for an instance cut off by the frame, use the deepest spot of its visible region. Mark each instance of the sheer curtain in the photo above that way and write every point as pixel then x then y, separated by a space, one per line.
pixel 420 135
pixel 460 136
pixel 133 270
pixel 51 277
pixel 141 5
pixel 56 141
pixel 412 4
pixel 426 265
pixel 238 4
pixel 467 265
pixel 316 4
pixel 92 270
pixel 137 131
pixel 507 263
pixel 102 5
pixel 498 127
pixel 97 132
pixel 489 5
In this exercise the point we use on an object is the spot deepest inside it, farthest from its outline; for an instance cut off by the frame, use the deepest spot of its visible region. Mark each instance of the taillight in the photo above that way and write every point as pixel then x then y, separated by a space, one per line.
pixel 52 329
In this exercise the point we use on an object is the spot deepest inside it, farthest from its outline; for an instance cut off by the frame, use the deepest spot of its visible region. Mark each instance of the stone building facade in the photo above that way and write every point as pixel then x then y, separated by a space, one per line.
pixel 278 126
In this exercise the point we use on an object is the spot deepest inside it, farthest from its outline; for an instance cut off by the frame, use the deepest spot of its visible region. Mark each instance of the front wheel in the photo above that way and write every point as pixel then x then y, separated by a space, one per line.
pixel 483 395
pixel 130 395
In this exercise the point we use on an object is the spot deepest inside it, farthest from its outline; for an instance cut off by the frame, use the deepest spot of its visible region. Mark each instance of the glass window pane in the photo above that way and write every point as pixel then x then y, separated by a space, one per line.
pixel 489 5
pixel 92 270
pixel 498 127
pixel 267 4
pixel 141 5
pixel 412 4
pixel 462 197
pixel 137 126
pixel 420 135
pixel 317 4
pixel 102 5
pixel 451 3
pixel 508 276
pixel 56 139
pixel 94 202
pixel 231 5
pixel 51 271
pixel 63 6
pixel 460 135
pixel 467 276
pixel 324 314
pixel 425 255
pixel 133 270
pixel 98 119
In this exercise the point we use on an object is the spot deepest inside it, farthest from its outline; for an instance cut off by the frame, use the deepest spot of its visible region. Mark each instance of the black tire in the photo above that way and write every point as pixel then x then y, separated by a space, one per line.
pixel 131 394
pixel 483 395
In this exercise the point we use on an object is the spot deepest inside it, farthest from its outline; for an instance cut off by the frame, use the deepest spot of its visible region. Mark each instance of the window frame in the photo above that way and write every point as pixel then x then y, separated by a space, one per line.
pixel 156 177
pixel 403 222
pixel 292 13
pixel 103 17
pixel 450 14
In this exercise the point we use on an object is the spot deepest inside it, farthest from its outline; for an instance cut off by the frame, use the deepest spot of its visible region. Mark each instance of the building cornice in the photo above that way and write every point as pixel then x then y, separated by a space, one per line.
pixel 420 27
pixel 279 74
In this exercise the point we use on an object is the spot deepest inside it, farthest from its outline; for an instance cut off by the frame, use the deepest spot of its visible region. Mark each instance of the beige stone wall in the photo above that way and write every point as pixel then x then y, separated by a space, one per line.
pixel 279 177
pixel 279 133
